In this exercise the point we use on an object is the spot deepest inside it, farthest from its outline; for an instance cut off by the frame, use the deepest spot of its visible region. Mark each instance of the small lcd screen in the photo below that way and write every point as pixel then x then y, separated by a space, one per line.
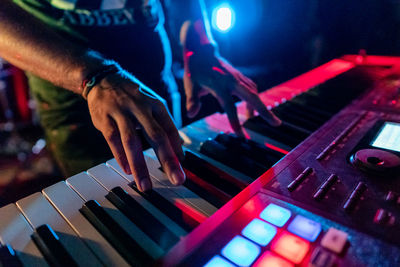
pixel 388 137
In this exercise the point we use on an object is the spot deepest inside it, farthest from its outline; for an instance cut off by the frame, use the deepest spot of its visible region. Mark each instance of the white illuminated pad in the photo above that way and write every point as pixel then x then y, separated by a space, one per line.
pixel 388 137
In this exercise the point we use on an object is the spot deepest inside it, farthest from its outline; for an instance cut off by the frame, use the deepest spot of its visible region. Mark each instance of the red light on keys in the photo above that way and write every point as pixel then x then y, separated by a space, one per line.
pixel 291 247
pixel 268 259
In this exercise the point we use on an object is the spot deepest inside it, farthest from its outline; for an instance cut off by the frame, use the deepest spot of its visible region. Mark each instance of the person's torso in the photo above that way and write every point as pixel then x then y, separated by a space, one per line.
pixel 122 30
pixel 95 13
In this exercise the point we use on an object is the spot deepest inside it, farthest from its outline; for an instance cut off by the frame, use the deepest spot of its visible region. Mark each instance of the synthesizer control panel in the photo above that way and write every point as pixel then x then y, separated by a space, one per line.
pixel 336 192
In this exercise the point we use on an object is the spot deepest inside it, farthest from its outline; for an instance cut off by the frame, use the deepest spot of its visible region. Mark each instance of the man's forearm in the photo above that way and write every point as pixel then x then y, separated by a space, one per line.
pixel 196 31
pixel 30 45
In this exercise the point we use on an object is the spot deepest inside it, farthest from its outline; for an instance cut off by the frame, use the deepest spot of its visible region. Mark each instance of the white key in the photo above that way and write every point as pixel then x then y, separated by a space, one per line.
pixel 185 206
pixel 89 189
pixel 109 179
pixel 68 203
pixel 16 232
pixel 197 202
pixel 38 211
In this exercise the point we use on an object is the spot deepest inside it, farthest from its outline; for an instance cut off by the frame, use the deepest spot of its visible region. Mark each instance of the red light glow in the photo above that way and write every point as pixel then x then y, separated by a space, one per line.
pixel 269 259
pixel 189 53
pixel 219 70
pixel 276 148
pixel 291 247
pixel 194 214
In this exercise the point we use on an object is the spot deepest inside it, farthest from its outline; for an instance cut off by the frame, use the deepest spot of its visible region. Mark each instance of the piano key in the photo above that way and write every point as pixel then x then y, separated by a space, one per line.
pixel 67 203
pixel 219 152
pixel 300 110
pixel 194 200
pixel 296 119
pixel 242 146
pixel 8 257
pixel 203 189
pixel 206 190
pixel 298 105
pixel 286 133
pixel 115 234
pixel 109 179
pixel 89 189
pixel 212 174
pixel 142 218
pixel 313 104
pixel 16 231
pixel 38 211
pixel 166 200
pixel 259 150
pixel 52 249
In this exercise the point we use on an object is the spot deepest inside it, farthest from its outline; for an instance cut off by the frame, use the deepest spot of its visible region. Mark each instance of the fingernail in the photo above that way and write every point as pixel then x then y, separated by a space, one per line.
pixel 127 169
pixel 178 177
pixel 145 185
pixel 278 122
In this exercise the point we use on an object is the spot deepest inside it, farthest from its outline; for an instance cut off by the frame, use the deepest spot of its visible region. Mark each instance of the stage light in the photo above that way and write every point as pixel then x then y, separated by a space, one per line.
pixel 223 18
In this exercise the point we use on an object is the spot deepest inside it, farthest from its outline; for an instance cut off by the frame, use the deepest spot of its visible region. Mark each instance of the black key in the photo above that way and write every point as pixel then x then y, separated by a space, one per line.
pixel 285 133
pixel 296 103
pixel 203 190
pixel 303 112
pixel 296 119
pixel 315 102
pixel 50 246
pixel 115 234
pixel 251 149
pixel 150 225
pixel 174 213
pixel 213 175
pixel 240 163
pixel 8 258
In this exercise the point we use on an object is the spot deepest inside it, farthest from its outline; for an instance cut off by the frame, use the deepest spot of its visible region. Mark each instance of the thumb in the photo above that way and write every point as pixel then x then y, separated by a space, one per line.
pixel 192 90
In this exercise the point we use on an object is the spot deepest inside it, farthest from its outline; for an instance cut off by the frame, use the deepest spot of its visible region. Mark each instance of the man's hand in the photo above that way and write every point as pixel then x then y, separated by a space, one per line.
pixel 119 105
pixel 205 73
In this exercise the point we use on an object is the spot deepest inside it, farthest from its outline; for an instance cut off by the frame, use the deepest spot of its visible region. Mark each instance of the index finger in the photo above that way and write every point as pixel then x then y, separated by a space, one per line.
pixel 227 103
pixel 254 100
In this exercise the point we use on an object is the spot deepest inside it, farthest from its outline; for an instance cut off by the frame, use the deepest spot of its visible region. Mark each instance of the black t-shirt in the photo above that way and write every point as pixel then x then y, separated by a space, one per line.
pixel 123 30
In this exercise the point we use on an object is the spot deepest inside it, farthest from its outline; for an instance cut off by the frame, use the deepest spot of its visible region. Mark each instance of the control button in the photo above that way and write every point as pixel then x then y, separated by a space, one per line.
pixel 391 196
pixel 354 196
pixel 305 228
pixel 291 247
pixel 334 240
pixel 324 188
pixel 269 259
pixel 299 179
pixel 241 251
pixel 275 215
pixel 383 217
pixel 322 258
pixel 218 261
pixel 259 232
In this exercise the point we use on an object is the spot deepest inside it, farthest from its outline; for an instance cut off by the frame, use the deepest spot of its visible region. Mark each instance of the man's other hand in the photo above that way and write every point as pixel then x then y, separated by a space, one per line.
pixel 212 74
pixel 118 106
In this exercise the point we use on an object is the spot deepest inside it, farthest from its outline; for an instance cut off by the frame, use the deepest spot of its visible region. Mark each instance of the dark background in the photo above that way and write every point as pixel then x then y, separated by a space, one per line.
pixel 277 39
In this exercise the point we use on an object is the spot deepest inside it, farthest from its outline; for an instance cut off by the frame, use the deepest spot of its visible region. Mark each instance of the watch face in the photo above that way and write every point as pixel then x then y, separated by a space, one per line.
pixel 388 137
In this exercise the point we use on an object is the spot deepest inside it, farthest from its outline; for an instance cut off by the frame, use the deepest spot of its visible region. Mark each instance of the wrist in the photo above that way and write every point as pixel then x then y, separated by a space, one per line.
pixel 93 78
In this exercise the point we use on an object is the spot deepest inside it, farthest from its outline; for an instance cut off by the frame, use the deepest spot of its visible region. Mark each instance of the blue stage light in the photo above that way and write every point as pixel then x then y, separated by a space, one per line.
pixel 223 18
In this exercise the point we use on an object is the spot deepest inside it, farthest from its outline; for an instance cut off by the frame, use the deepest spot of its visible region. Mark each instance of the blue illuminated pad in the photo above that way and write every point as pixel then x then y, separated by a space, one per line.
pixel 305 228
pixel 218 261
pixel 259 232
pixel 275 215
pixel 241 251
